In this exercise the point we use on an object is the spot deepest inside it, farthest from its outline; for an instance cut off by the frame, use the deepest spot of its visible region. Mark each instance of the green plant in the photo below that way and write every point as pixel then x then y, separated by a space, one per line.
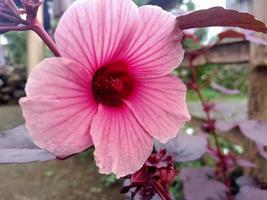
pixel 16 48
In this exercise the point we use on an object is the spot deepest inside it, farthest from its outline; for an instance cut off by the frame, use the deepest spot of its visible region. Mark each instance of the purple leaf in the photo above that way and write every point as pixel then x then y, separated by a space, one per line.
pixel 245 163
pixel 250 36
pixel 223 89
pixel 2 56
pixel 231 111
pixel 225 126
pixel 245 181
pixel 249 193
pixel 185 148
pixel 254 130
pixel 261 150
pixel 218 16
pixel 16 146
pixel 199 185
pixel 249 190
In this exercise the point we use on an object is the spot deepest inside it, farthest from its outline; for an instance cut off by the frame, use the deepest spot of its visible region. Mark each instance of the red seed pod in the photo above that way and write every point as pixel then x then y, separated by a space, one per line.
pixel 156 175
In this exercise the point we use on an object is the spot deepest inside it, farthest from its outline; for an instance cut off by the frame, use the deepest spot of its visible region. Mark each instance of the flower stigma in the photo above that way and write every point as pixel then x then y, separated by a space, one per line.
pixel 112 83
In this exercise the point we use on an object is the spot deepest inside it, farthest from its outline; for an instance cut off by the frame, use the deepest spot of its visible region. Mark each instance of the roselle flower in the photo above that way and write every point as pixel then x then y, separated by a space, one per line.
pixel 155 177
pixel 112 89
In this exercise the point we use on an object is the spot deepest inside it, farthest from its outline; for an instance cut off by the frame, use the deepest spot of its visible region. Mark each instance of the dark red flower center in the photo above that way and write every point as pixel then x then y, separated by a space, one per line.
pixel 112 83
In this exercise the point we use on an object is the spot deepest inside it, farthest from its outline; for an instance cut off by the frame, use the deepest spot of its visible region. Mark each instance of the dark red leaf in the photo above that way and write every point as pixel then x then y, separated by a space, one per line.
pixel 218 16
pixel 245 35
pixel 231 34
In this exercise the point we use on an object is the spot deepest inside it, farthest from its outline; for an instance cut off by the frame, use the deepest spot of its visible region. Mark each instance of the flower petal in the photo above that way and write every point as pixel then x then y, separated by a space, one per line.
pixel 155 49
pixel 159 105
pixel 59 106
pixel 121 144
pixel 95 32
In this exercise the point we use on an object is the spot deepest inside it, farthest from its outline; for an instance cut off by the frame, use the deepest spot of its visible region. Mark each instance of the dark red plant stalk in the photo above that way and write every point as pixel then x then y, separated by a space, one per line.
pixel 11 19
pixel 209 125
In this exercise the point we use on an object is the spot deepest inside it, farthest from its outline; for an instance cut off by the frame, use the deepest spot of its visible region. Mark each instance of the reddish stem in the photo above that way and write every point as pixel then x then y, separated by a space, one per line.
pixel 160 191
pixel 39 30
pixel 222 162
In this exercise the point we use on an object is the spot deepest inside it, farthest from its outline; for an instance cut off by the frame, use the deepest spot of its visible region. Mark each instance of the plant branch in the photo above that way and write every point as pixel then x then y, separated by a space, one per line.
pixel 160 191
pixel 212 129
pixel 39 30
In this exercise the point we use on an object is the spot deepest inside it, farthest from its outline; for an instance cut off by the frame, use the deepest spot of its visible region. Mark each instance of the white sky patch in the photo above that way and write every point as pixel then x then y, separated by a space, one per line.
pixel 204 4
pixel 189 131
pixel 3 40
pixel 226 151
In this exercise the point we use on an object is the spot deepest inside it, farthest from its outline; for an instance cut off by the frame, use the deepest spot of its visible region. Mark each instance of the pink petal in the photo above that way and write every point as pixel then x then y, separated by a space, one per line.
pixel 95 32
pixel 218 16
pixel 159 105
pixel 155 49
pixel 59 106
pixel 121 144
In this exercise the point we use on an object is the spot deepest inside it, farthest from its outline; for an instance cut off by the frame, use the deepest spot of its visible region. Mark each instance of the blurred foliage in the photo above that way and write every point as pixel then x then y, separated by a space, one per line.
pixel 202 33
pixel 177 188
pixel 106 180
pixel 229 76
pixel 234 77
pixel 109 180
pixel 190 5
pixel 139 2
pixel 16 47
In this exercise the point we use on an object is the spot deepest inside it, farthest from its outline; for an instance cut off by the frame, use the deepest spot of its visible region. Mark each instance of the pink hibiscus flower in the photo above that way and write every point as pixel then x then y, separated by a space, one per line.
pixel 112 88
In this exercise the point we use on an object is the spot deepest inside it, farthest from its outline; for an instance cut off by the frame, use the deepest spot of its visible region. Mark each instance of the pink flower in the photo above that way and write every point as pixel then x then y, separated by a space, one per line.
pixel 112 88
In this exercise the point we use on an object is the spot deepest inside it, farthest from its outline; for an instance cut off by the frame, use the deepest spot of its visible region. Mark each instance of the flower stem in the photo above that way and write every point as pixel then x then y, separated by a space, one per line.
pixel 222 162
pixel 40 31
pixel 160 191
